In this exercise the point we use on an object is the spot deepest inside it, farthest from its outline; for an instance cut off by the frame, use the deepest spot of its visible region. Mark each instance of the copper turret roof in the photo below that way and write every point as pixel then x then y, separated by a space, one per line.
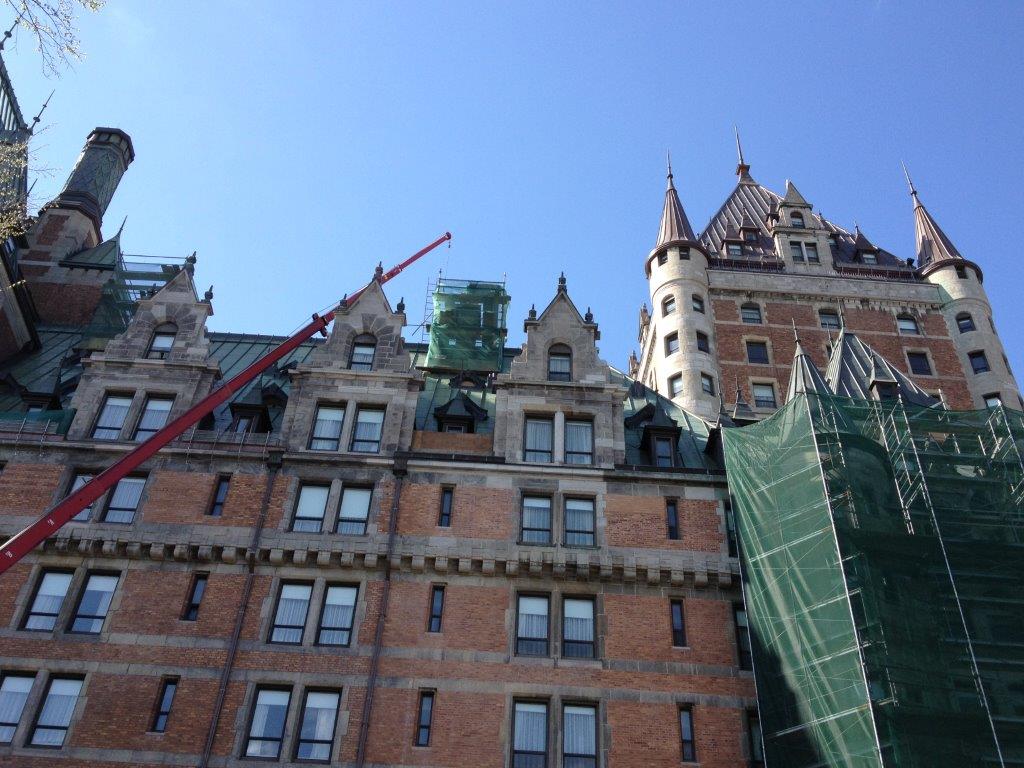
pixel 674 224
pixel 932 243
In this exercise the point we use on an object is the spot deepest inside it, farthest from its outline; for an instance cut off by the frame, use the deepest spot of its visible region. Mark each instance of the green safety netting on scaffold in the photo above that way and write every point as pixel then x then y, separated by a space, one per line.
pixel 882 549
pixel 467 328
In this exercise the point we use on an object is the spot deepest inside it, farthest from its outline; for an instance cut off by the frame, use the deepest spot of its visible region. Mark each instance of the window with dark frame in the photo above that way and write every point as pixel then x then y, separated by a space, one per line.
pixel 326 435
pixel 444 515
pixel 751 314
pixel 124 500
pixel 686 737
pixel 668 306
pixel 907 325
pixel 54 718
pixel 425 713
pixel 707 384
pixel 664 452
pixel 829 320
pixel 266 723
pixel 162 341
pixel 560 363
pixel 579 736
pixel 540 440
pixel 993 400
pixel 698 303
pixel 532 625
pixel 754 732
pixel 734 250
pixel 979 362
pixel 744 651
pixel 672 518
pixel 796 220
pixel 579 441
pixel 195 597
pixel 165 698
pixel 290 614
pixel 154 417
pixel 579 522
pixel 961 272
pixel 14 691
pixel 578 628
pixel 316 730
pixel 662 259
pixel 529 734
pixel 757 352
pixel 703 345
pixel 220 495
pixel 764 396
pixel 310 508
pixel 796 252
pixel 112 417
pixel 369 426
pixel 364 347
pixel 671 343
pixel 51 591
pixel 919 364
pixel 337 615
pixel 436 608
pixel 535 523
pixel 678 623
pixel 94 603
pixel 675 384
pixel 684 254
pixel 85 514
pixel 354 512
pixel 811 251
pixel 964 322
pixel 869 258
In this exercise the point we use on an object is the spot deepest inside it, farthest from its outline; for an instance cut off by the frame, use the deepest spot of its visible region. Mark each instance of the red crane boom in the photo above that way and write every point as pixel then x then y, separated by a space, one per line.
pixel 27 539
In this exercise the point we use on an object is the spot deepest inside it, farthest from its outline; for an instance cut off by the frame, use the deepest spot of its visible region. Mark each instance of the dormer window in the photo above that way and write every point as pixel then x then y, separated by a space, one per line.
pixel 734 250
pixel 796 220
pixel 559 363
pixel 812 253
pixel 750 236
pixel 163 340
pixel 869 258
pixel 363 350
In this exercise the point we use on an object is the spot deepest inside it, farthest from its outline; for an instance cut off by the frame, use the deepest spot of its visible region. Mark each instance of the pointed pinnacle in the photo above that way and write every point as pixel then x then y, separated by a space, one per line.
pixel 38 117
pixel 796 336
pixel 910 184
pixel 739 147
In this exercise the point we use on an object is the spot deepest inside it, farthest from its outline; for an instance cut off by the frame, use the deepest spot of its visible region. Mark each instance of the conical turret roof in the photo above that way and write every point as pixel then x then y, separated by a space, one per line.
pixel 932 243
pixel 805 378
pixel 674 224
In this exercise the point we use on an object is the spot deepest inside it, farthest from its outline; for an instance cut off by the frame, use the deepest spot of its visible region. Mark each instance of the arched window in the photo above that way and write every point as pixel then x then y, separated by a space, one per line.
pixel 163 340
pixel 668 305
pixel 797 219
pixel 964 322
pixel 751 314
pixel 907 325
pixel 559 363
pixel 363 349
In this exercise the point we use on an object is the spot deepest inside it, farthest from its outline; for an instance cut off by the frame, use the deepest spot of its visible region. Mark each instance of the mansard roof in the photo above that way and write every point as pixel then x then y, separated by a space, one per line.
pixel 854 366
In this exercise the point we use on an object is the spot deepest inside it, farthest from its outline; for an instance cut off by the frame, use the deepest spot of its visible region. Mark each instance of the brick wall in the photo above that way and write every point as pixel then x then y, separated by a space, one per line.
pixel 641 521
pixel 452 442
pixel 28 488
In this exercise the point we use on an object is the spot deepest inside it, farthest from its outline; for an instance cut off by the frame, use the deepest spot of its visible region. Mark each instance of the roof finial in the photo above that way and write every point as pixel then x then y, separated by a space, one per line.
pixel 121 228
pixel 910 184
pixel 670 184
pixel 561 283
pixel 796 336
pixel 208 296
pixel 9 32
pixel 742 169
pixel 38 117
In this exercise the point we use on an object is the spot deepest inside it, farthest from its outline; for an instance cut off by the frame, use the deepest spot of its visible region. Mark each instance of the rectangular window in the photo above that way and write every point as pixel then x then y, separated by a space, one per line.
pixel 919 364
pixel 290 616
pixel 672 518
pixel 160 347
pixel 337 616
pixel 14 692
pixel 266 727
pixel 530 735
pixel 746 658
pixel 668 306
pixel 369 425
pixel 675 385
pixel 94 604
pixel 754 731
pixel 707 384
pixel 764 396
pixel 907 326
pixel 703 345
pixel 423 718
pixel 536 520
pixel 811 250
pixel 55 714
pixel 327 428
pixel 354 510
pixel 993 400
pixel 578 628
pixel 560 365
pixel 964 323
pixel 870 258
pixel 757 352
pixel 168 687
pixel 532 626
pixel 220 495
pixel 154 416
pixel 732 542
pixel 979 363
pixel 671 343
pixel 686 735
pixel 316 732
pixel 579 522
pixel 735 250
pixel 678 624
pixel 124 501
pixel 829 320
pixel 540 440
pixel 664 452
pixel 86 514
pixel 796 252
pixel 195 597
pixel 362 356
pixel 579 442
pixel 579 736
pixel 112 417
pixel 444 517
pixel 436 608
pixel 750 314
pixel 310 508
pixel 698 303
pixel 50 594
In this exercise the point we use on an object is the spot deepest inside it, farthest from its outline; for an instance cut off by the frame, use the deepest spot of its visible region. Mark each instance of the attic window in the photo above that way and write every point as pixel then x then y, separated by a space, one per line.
pixel 559 363
pixel 750 235
pixel 734 250
pixel 163 340
pixel 796 220
pixel 829 320
pixel 869 258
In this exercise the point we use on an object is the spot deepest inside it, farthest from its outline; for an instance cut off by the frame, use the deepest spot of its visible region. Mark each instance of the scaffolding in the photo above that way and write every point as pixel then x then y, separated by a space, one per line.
pixel 883 546
pixel 467 328
pixel 132 278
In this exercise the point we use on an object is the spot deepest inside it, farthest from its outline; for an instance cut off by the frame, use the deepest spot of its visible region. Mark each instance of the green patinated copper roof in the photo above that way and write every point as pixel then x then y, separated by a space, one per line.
pixel 106 255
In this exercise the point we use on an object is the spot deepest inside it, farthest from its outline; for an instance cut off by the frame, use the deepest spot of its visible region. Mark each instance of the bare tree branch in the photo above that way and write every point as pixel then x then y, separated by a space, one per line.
pixel 52 25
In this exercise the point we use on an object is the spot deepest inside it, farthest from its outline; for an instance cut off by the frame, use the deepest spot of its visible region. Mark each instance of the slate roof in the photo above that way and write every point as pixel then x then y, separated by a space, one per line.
pixel 674 224
pixel 932 243
pixel 854 365
pixel 805 378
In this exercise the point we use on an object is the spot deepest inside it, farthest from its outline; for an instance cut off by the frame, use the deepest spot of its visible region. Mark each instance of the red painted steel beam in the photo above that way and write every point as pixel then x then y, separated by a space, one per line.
pixel 29 538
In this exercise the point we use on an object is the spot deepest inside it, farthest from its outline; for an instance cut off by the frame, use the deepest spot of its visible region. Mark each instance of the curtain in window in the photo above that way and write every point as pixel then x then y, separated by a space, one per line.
pixel 579 441
pixel 533 618
pixel 318 725
pixel 531 727
pixel 539 439
pixel 98 593
pixel 579 522
pixel 291 613
pixel 310 508
pixel 48 600
pixel 327 429
pixel 125 500
pixel 267 724
pixel 13 695
pixel 155 415
pixel 55 715
pixel 580 725
pixel 368 425
pixel 536 520
pixel 355 508
pixel 339 606
pixel 115 411
pixel 579 620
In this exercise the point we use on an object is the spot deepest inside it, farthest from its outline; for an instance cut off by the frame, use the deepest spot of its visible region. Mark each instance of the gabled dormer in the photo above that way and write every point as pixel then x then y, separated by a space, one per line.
pixel 794 211
pixel 864 251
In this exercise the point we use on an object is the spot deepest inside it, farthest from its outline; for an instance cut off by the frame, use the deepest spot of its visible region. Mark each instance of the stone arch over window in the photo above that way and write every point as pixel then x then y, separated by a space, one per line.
pixel 161 341
pixel 907 325
pixel 364 348
pixel 797 219
pixel 559 362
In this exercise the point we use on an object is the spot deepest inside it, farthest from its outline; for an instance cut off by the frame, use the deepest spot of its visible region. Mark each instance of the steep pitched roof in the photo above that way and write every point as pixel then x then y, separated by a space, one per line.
pixel 674 224
pixel 805 378
pixel 793 196
pixel 932 243
pixel 854 366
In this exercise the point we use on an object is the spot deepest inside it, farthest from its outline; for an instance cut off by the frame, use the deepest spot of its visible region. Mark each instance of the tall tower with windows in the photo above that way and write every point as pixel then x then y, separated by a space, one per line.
pixel 677 337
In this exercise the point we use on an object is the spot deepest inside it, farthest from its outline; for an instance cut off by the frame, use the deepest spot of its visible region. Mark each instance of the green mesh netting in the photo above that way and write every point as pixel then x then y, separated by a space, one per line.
pixel 884 575
pixel 467 332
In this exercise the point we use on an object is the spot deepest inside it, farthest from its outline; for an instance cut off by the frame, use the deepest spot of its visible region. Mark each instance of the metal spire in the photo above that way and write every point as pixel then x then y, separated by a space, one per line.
pixel 742 169
pixel 9 32
pixel 910 185
pixel 38 117
pixel 669 154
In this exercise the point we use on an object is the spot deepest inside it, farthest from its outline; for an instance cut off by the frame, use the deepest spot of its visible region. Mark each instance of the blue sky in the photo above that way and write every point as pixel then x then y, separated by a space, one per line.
pixel 293 145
